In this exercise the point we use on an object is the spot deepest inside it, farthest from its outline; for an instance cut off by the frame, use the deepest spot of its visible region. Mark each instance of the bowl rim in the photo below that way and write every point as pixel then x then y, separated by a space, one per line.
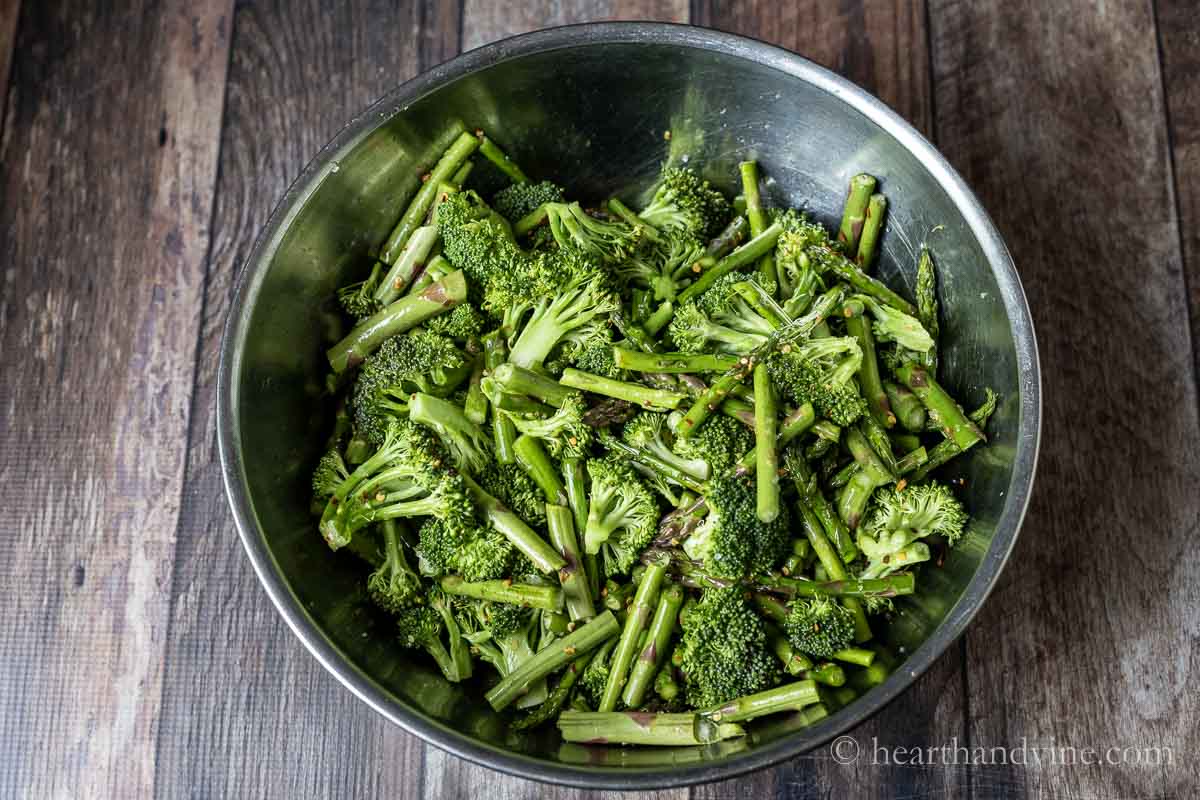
pixel 434 732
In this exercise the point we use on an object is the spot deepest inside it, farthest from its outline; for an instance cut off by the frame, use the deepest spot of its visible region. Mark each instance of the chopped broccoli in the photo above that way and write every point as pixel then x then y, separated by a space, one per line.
pixel 358 298
pixel 819 626
pixel 649 431
pixel 684 200
pixel 575 229
pixel 732 541
pixel 821 372
pixel 422 626
pixel 394 586
pixel 622 516
pixel 724 653
pixel 463 322
pixel 475 552
pixel 512 486
pixel 720 441
pixel 565 433
pixel 466 442
pixel 415 362
pixel 520 199
pixel 719 320
pixel 890 536
pixel 664 267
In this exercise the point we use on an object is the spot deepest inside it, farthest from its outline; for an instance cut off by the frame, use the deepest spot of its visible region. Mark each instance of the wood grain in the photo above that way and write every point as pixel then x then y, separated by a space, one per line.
pixel 1054 114
pixel 485 20
pixel 107 179
pixel 879 44
pixel 1179 41
pixel 282 726
pixel 883 47
pixel 10 10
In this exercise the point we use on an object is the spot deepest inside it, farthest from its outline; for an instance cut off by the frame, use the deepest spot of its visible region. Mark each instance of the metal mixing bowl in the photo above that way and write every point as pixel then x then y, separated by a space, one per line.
pixel 591 105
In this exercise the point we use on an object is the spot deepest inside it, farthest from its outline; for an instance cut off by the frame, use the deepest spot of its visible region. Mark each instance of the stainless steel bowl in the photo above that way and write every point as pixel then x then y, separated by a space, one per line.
pixel 593 105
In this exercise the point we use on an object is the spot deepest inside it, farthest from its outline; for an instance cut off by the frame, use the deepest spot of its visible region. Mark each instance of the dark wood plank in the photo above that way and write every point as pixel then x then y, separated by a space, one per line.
pixel 10 10
pixel 883 47
pixel 1054 114
pixel 1179 40
pixel 282 726
pixel 880 45
pixel 486 21
pixel 107 173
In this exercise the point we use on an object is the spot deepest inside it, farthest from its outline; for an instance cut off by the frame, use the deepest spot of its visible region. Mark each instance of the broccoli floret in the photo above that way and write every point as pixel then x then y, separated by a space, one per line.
pixel 394 586
pixel 407 476
pixel 521 199
pixel 821 372
pixel 800 280
pixel 664 267
pixel 724 653
pixel 423 626
pixel 416 362
pixel 479 241
pixel 512 486
pixel 358 299
pixel 890 536
pixel 463 322
pixel 564 433
pixel 595 677
pixel 475 552
pixel 720 440
pixel 622 516
pixel 649 431
pixel 589 348
pixel 328 476
pixel 732 541
pixel 683 200
pixel 720 319
pixel 466 442
pixel 819 626
pixel 584 296
pixel 575 229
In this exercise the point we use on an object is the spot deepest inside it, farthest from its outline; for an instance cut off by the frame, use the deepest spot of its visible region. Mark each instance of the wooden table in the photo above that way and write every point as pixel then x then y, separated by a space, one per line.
pixel 142 151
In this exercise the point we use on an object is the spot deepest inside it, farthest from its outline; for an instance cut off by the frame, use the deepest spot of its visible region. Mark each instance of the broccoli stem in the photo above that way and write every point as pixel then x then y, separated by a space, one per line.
pixel 489 150
pixel 872 227
pixel 554 702
pixel 639 616
pixel 644 396
pixel 583 639
pixel 444 417
pixel 766 455
pixel 504 433
pixel 665 685
pixel 794 662
pixel 942 409
pixel 691 574
pixel 788 697
pixel 654 651
pixel 443 171
pixel 543 556
pixel 794 425
pixel 627 215
pixel 757 216
pixel 516 380
pixel 660 318
pixel 854 212
pixel 859 656
pixel 643 728
pixel 826 673
pixel 763 303
pixel 637 335
pixel 572 577
pixel 476 404
pixel 437 268
pixel 531 220
pixel 858 326
pixel 534 459
pixel 402 315
pixel 547 598
pixel 651 461
pixel 672 363
pixel 748 253
pixel 927 306
pixel 905 405
pixel 577 497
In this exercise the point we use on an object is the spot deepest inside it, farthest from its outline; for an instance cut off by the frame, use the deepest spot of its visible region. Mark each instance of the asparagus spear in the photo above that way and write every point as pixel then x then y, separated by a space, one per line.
pixel 639 616
pixel 504 433
pixel 530 595
pixel 757 217
pixel 652 399
pixel 657 640
pixel 872 227
pixel 766 455
pixel 788 697
pixel 640 727
pixel 402 315
pixel 945 413
pixel 858 326
pixel 409 264
pixel 572 575
pixel 489 150
pixel 927 305
pixel 583 639
pixel 855 210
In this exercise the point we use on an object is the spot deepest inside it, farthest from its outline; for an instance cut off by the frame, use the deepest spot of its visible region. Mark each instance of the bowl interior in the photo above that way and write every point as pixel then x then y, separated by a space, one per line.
pixel 601 116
